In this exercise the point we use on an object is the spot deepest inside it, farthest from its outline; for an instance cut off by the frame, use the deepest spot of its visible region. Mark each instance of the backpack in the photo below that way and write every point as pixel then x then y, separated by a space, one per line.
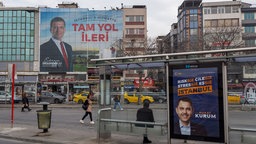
pixel 85 105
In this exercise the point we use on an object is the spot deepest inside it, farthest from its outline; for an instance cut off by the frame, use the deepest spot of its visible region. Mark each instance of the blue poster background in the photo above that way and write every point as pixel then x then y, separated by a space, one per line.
pixel 202 103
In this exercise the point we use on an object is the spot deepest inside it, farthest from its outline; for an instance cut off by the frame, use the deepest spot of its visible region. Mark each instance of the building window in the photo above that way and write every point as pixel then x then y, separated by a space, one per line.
pixel 214 10
pixel 249 43
pixel 235 9
pixel 138 18
pixel 193 11
pixel 193 31
pixel 235 22
pixel 221 10
pixel 227 9
pixel 193 17
pixel 249 29
pixel 207 23
pixel 221 23
pixel 228 22
pixel 135 31
pixel 214 23
pixel 17 35
pixel 194 24
pixel 207 10
pixel 248 16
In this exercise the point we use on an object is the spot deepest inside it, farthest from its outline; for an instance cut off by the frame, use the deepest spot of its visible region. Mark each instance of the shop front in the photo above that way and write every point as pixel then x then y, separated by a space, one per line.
pixel 64 84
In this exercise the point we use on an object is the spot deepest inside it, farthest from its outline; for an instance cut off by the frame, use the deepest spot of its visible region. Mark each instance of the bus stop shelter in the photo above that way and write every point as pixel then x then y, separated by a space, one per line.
pixel 188 74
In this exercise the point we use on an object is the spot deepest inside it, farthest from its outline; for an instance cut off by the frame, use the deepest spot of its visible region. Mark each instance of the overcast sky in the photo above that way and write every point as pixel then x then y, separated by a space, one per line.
pixel 161 13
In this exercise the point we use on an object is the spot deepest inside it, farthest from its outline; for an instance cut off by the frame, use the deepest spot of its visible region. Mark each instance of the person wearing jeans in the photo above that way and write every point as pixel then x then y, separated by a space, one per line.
pixel 117 102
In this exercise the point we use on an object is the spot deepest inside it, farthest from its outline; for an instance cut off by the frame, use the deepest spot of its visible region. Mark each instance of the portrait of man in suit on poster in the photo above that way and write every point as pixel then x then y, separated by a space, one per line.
pixel 184 110
pixel 55 54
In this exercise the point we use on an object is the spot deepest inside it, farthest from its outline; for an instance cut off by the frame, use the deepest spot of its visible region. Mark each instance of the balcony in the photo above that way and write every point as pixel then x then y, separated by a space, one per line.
pixel 134 36
pixel 134 23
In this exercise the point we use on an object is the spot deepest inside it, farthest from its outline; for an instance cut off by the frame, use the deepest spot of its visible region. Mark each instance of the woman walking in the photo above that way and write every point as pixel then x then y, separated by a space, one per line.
pixel 88 111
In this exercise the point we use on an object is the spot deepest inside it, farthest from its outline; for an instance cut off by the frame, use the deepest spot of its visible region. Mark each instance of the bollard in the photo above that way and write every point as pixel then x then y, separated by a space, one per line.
pixel 44 117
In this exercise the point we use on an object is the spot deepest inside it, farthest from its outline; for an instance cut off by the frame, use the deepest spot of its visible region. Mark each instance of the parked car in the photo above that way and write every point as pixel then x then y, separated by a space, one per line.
pixel 133 98
pixel 7 97
pixel 157 96
pixel 31 95
pixel 51 97
pixel 80 97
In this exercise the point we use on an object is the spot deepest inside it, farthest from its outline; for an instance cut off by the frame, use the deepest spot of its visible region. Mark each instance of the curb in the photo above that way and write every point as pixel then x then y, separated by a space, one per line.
pixel 28 139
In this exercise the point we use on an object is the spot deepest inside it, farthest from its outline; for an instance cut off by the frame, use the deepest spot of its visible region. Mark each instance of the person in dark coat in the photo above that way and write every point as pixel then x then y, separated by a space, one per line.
pixel 185 126
pixel 145 114
pixel 25 102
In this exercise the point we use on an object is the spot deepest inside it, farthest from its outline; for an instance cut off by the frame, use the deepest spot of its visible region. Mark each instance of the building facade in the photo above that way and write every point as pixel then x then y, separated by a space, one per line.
pixel 190 26
pixel 222 25
pixel 22 33
pixel 249 25
pixel 19 46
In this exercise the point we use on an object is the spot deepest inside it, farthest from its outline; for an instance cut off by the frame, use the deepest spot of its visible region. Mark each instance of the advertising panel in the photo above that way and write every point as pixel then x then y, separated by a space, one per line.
pixel 70 37
pixel 196 102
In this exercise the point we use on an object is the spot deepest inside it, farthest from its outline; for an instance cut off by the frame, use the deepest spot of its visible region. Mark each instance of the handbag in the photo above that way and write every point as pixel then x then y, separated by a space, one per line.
pixel 85 107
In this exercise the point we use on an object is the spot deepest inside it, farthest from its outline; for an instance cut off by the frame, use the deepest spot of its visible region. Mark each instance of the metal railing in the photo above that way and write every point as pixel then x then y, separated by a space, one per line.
pixel 128 126
pixel 245 137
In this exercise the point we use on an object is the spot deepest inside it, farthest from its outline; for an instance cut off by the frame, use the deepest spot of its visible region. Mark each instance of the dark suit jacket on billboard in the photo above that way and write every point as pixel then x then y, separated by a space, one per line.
pixel 51 59
pixel 146 115
pixel 196 129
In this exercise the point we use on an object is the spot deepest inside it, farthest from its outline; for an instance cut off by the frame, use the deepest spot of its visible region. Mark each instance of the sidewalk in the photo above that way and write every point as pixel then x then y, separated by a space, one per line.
pixel 72 136
pixel 64 135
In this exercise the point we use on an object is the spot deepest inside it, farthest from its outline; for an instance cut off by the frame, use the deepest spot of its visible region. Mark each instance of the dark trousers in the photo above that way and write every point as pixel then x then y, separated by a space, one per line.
pixel 25 106
pixel 85 115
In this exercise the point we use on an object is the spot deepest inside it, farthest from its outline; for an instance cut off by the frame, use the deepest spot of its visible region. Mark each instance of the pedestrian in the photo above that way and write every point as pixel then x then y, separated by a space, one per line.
pixel 117 102
pixel 145 114
pixel 25 102
pixel 88 110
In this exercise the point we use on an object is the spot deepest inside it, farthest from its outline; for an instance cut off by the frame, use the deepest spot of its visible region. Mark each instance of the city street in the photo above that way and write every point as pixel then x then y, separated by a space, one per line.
pixel 68 116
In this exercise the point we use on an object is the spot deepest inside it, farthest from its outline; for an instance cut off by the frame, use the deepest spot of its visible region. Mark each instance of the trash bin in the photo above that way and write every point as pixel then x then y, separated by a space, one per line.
pixel 44 119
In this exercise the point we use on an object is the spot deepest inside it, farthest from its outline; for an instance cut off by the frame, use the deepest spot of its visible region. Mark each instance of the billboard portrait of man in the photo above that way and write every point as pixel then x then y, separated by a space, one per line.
pixel 197 102
pixel 55 54
pixel 185 126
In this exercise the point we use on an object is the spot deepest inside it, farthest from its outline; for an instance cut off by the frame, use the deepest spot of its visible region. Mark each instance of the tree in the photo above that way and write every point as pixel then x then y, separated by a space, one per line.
pixel 222 38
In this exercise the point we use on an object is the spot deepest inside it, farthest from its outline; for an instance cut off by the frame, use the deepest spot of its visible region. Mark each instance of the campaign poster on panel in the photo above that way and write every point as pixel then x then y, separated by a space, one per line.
pixel 70 37
pixel 196 102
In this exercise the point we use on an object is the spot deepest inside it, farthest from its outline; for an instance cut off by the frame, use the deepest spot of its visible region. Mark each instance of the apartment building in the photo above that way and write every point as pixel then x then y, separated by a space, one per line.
pixel 190 26
pixel 249 25
pixel 135 30
pixel 117 32
pixel 222 24
pixel 19 46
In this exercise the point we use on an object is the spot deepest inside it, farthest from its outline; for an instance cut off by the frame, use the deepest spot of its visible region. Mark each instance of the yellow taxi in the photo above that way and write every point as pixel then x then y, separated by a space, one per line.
pixel 133 98
pixel 80 97
pixel 234 99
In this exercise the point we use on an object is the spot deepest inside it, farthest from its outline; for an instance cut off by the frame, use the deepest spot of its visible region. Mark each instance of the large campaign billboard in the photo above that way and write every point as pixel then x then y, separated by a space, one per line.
pixel 70 37
pixel 196 102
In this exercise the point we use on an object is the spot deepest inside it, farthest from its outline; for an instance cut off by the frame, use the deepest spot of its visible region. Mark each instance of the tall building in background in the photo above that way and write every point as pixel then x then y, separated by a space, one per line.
pixel 135 30
pixel 249 25
pixel 190 26
pixel 92 34
pixel 134 40
pixel 222 25
pixel 19 45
